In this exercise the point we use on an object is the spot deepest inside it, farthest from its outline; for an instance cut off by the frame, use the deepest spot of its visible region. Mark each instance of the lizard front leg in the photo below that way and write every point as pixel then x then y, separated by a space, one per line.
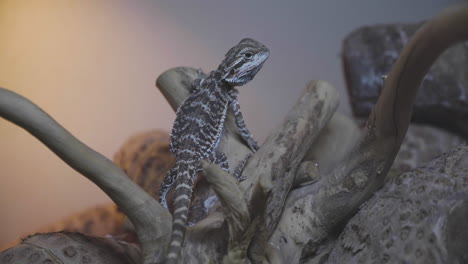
pixel 244 132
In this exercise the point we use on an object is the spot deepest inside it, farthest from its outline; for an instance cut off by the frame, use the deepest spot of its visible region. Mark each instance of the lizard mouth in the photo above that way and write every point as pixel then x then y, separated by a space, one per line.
pixel 250 71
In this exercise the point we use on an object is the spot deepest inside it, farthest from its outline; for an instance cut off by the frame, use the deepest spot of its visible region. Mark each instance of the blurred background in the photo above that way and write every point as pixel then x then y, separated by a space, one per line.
pixel 92 66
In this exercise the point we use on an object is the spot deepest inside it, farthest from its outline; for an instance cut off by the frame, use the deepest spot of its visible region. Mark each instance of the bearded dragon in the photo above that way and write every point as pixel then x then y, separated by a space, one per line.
pixel 198 127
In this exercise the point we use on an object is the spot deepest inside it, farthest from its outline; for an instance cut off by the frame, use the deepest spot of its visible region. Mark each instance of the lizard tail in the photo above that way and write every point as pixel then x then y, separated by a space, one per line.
pixel 183 190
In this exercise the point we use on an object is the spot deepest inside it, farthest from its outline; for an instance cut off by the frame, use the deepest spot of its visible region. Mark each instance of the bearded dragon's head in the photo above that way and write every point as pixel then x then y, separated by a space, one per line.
pixel 243 61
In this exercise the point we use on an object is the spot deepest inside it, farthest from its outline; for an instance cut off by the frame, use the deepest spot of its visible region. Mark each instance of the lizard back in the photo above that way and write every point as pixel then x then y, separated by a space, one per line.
pixel 199 122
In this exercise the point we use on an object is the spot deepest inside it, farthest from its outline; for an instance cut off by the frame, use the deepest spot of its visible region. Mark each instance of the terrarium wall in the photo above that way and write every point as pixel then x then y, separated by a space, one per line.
pixel 92 65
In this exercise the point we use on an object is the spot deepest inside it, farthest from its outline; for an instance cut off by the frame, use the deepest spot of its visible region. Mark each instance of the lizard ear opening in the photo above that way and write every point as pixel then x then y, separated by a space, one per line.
pixel 230 76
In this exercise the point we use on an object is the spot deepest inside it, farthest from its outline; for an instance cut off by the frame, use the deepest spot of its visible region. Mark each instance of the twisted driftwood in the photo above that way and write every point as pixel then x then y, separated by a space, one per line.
pixel 264 218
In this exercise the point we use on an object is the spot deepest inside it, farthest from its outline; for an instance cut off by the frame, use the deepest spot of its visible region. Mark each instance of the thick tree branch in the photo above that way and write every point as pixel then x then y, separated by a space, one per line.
pixel 151 220
pixel 278 159
pixel 231 196
pixel 235 208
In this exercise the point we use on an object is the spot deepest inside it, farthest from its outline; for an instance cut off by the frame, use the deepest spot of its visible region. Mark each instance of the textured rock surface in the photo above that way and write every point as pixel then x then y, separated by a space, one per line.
pixel 423 143
pixel 64 247
pixel 442 100
pixel 418 217
pixel 97 221
pixel 145 158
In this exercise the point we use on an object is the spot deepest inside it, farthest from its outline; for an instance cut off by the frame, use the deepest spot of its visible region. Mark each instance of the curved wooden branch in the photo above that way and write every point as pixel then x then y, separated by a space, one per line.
pixel 229 192
pixel 277 161
pixel 151 220
pixel 235 206
pixel 329 203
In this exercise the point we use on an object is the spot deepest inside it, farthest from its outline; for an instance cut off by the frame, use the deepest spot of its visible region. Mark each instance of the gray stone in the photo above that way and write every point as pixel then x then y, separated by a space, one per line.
pixel 418 217
pixel 71 248
pixel 423 143
pixel 442 100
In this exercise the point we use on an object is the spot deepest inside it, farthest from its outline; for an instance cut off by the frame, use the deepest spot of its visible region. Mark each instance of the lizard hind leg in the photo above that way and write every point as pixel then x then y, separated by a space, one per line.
pixel 166 184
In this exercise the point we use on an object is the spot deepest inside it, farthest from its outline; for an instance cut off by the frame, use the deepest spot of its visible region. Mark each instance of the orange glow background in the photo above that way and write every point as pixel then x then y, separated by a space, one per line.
pixel 92 66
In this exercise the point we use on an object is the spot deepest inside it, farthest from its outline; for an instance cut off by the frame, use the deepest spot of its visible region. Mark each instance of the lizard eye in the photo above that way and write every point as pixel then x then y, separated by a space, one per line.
pixel 248 55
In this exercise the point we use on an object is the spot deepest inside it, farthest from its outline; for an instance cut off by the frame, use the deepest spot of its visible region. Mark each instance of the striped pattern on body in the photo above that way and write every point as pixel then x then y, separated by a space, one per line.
pixel 199 123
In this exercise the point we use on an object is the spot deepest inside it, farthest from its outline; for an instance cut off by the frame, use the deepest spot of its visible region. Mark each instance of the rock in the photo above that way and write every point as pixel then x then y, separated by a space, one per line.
pixel 442 100
pixel 96 221
pixel 145 158
pixel 423 143
pixel 418 217
pixel 67 247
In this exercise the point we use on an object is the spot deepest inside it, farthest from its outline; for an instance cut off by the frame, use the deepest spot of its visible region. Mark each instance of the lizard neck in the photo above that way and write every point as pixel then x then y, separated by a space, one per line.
pixel 218 77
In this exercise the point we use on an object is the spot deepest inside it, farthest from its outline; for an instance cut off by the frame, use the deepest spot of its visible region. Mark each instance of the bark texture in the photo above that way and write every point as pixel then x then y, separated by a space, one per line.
pixel 418 217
